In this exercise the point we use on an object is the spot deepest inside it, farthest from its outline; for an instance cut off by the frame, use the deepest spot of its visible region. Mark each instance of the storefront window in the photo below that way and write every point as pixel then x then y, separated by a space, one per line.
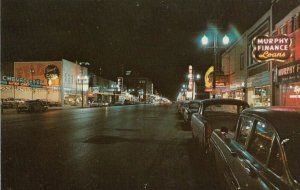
pixel 239 95
pixel 290 94
pixel 262 96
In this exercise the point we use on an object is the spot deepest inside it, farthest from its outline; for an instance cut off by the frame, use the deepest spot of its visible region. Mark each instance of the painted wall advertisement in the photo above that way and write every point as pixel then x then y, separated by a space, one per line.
pixel 41 70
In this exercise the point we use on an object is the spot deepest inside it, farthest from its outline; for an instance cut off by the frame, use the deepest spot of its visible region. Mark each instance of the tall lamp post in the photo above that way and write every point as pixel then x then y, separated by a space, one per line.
pixel 115 88
pixel 196 78
pixel 205 41
pixel 32 71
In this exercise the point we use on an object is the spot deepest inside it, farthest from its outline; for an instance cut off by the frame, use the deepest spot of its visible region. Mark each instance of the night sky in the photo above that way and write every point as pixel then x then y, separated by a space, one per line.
pixel 156 37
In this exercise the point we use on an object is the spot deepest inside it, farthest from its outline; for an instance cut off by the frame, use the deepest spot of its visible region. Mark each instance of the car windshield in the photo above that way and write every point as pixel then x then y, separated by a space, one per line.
pixel 194 105
pixel 292 150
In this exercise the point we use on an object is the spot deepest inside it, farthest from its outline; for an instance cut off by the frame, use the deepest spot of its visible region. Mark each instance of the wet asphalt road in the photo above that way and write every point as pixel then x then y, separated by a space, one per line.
pixel 121 147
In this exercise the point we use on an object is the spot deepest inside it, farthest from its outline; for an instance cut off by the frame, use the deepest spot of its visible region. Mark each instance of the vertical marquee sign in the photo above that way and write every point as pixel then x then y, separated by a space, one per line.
pixel 208 78
pixel 268 48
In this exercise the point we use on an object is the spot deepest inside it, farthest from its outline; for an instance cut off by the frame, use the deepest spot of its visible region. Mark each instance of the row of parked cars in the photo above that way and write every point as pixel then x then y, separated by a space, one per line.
pixel 14 102
pixel 104 104
pixel 254 148
pixel 7 103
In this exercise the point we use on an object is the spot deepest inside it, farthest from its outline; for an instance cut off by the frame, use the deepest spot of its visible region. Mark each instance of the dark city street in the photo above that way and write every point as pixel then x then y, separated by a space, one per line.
pixel 121 147
pixel 150 94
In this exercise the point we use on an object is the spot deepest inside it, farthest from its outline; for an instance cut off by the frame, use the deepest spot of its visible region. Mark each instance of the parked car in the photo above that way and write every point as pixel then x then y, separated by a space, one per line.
pixel 53 104
pixel 95 104
pixel 104 104
pixel 181 106
pixel 128 102
pixel 7 104
pixel 213 114
pixel 262 151
pixel 193 107
pixel 32 106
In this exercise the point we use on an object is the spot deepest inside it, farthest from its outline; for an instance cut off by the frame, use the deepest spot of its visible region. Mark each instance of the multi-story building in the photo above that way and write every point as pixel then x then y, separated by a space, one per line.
pixel 258 84
pixel 60 81
pixel 234 67
pixel 267 82
pixel 248 79
pixel 287 73
pixel 141 87
pixel 103 90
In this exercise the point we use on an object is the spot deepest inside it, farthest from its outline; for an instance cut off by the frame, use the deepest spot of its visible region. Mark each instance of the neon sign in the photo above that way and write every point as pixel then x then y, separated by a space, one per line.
pixel 208 78
pixel 267 48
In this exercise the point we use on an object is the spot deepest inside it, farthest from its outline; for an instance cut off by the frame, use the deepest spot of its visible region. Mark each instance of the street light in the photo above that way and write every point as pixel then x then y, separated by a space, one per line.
pixel 184 90
pixel 82 78
pixel 32 71
pixel 115 87
pixel 204 42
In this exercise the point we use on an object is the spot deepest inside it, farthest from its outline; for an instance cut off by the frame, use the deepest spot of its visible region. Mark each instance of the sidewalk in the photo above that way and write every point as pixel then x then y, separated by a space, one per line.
pixel 14 110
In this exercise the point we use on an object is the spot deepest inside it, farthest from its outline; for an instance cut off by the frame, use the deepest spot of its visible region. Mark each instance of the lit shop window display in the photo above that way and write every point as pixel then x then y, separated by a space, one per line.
pixel 262 96
pixel 290 94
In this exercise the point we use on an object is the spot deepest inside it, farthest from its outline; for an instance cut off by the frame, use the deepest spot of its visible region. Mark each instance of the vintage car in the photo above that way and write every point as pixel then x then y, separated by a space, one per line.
pixel 193 107
pixel 32 106
pixel 94 104
pixel 181 107
pixel 262 152
pixel 213 114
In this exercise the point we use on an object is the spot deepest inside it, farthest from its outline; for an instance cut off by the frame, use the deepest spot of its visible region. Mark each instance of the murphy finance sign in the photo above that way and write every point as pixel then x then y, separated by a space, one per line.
pixel 267 48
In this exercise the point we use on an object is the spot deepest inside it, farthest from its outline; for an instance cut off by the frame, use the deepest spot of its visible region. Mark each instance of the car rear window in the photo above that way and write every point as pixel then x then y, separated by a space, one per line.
pixel 194 105
pixel 227 108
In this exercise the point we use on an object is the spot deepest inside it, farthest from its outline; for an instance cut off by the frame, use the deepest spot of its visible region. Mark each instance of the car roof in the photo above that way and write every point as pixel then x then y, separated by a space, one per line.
pixel 207 102
pixel 286 120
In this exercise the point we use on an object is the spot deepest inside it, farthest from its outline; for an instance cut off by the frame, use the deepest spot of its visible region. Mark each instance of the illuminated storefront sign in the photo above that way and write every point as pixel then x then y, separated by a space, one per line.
pixel 267 48
pixel 289 72
pixel 208 78
pixel 190 76
pixel 10 80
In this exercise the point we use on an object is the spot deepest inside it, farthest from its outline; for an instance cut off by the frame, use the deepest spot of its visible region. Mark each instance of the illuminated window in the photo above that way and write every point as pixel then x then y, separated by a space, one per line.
pixel 261 142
